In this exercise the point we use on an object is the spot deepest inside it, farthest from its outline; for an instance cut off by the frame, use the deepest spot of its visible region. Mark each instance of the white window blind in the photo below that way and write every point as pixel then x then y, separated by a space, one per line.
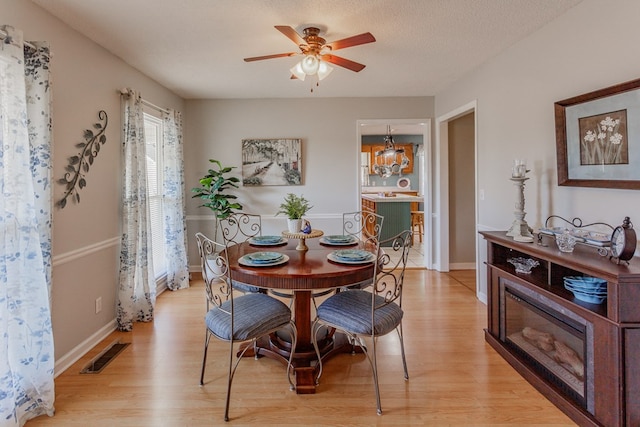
pixel 153 138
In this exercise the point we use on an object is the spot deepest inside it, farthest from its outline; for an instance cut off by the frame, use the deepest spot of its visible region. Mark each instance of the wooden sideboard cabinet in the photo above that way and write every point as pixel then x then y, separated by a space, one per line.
pixel 584 357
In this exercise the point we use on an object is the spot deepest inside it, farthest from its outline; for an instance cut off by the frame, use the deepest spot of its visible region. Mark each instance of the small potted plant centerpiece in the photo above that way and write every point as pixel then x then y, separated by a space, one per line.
pixel 213 191
pixel 294 207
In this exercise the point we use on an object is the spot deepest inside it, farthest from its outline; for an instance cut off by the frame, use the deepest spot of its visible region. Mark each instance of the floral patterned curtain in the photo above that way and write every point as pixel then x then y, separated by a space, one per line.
pixel 137 289
pixel 173 203
pixel 26 337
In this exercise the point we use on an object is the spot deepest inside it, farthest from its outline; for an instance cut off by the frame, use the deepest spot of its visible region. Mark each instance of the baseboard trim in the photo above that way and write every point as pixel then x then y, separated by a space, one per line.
pixel 462 266
pixel 482 297
pixel 65 362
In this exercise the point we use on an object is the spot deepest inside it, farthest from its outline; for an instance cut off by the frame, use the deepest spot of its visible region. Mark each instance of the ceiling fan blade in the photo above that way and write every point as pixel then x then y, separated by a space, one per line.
pixel 291 34
pixel 343 62
pixel 277 55
pixel 352 41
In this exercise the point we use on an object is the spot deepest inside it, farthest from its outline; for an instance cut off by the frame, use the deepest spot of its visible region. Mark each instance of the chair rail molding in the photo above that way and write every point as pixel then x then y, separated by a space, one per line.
pixel 84 251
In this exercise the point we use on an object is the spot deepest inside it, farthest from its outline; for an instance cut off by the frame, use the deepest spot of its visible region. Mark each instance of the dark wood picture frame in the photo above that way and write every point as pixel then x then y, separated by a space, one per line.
pixel 598 99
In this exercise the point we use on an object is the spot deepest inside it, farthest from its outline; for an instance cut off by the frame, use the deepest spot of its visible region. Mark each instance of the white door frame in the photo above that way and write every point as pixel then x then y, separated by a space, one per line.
pixel 425 123
pixel 441 183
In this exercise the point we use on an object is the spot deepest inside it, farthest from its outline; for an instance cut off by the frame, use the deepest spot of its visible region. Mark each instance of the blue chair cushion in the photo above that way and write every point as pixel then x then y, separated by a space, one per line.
pixel 351 312
pixel 254 315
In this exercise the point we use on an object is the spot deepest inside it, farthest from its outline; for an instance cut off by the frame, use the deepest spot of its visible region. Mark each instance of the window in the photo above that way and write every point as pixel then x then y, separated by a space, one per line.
pixel 153 134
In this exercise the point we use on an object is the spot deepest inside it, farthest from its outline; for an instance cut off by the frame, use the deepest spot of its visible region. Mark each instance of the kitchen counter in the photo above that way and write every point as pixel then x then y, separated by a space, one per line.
pixel 395 209
pixel 372 189
pixel 395 198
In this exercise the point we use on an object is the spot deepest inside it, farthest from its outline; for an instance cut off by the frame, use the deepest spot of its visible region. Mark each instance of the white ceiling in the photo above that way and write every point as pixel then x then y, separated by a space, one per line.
pixel 196 47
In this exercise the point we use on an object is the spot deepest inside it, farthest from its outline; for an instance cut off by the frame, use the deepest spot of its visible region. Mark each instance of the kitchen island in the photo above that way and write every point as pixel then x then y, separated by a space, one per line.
pixel 395 208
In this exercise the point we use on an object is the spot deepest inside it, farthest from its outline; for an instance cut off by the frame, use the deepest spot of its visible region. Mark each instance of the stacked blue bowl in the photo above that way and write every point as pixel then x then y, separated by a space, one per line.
pixel 587 289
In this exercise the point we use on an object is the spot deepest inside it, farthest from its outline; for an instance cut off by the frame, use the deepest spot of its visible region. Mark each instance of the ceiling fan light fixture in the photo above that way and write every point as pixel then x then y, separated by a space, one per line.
pixel 310 64
pixel 317 54
pixel 298 71
pixel 324 70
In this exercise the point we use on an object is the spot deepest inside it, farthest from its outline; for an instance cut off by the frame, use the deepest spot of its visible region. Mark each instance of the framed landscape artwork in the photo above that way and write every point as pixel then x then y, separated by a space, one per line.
pixel 271 162
pixel 598 138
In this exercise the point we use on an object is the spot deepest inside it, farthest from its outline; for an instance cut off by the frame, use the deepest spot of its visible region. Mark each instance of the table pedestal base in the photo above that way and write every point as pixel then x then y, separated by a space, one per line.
pixel 305 363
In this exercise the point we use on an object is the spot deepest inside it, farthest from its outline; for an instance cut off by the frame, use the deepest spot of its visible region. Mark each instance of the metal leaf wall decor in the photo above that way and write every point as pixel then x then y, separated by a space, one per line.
pixel 74 177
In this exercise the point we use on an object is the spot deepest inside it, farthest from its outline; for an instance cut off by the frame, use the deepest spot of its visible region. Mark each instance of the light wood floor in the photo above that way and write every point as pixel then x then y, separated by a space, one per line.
pixel 456 379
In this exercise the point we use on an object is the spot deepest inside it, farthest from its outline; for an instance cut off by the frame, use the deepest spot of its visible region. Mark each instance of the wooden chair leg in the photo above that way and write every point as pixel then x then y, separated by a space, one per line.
pixel 417 225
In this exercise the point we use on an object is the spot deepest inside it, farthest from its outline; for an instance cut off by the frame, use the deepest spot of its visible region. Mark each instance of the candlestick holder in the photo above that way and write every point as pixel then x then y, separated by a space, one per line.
pixel 520 230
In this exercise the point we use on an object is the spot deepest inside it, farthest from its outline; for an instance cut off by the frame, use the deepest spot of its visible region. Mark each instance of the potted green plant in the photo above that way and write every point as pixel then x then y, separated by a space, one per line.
pixel 294 207
pixel 213 191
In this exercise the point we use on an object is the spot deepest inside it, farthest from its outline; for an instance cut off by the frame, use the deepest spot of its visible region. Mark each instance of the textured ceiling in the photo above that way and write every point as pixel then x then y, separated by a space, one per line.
pixel 196 47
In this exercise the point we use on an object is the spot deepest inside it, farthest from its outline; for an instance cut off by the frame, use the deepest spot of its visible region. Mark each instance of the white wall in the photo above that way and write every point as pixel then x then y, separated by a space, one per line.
pixel 86 245
pixel 330 149
pixel 592 46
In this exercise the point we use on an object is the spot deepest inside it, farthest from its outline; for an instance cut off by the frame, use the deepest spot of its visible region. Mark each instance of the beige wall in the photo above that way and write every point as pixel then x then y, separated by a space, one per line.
pixel 86 245
pixel 515 93
pixel 462 171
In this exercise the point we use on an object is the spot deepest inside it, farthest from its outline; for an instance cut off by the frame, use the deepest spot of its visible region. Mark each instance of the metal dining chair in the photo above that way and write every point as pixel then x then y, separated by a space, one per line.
pixel 237 318
pixel 366 226
pixel 238 228
pixel 372 312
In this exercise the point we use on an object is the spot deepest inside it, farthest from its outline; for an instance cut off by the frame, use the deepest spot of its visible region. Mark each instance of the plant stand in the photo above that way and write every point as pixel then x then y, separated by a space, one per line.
pixel 302 236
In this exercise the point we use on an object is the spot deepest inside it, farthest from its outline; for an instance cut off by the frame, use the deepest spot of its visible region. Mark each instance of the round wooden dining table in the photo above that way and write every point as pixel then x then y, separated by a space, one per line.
pixel 305 273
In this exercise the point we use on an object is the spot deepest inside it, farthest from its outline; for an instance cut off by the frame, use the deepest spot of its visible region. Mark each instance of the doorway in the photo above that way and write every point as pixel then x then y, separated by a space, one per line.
pixel 462 253
pixel 447 203
pixel 422 172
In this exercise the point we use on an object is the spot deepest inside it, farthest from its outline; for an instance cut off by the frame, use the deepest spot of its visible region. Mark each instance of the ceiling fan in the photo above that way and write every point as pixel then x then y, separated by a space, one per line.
pixel 317 52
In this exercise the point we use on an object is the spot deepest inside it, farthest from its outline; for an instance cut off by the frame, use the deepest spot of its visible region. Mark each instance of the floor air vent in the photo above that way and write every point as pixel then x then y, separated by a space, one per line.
pixel 103 359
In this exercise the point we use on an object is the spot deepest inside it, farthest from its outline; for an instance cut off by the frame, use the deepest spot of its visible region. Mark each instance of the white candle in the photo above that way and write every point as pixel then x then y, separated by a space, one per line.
pixel 519 169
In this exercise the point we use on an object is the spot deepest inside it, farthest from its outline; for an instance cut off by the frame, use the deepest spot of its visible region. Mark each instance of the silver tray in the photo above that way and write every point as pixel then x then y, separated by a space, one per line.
pixel 592 238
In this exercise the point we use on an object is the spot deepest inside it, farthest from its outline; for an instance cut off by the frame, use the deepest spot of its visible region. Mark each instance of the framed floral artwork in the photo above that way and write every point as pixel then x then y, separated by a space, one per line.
pixel 598 138
pixel 271 162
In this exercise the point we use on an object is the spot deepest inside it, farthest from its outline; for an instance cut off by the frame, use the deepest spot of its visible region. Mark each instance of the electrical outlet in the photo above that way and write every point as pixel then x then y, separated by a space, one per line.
pixel 98 305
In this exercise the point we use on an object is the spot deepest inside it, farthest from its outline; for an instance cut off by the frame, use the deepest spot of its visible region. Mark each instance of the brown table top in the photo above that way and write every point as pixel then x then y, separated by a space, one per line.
pixel 305 270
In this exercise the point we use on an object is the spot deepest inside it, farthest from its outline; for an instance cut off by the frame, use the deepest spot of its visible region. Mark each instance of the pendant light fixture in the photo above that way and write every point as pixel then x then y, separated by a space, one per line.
pixel 389 146
pixel 386 159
